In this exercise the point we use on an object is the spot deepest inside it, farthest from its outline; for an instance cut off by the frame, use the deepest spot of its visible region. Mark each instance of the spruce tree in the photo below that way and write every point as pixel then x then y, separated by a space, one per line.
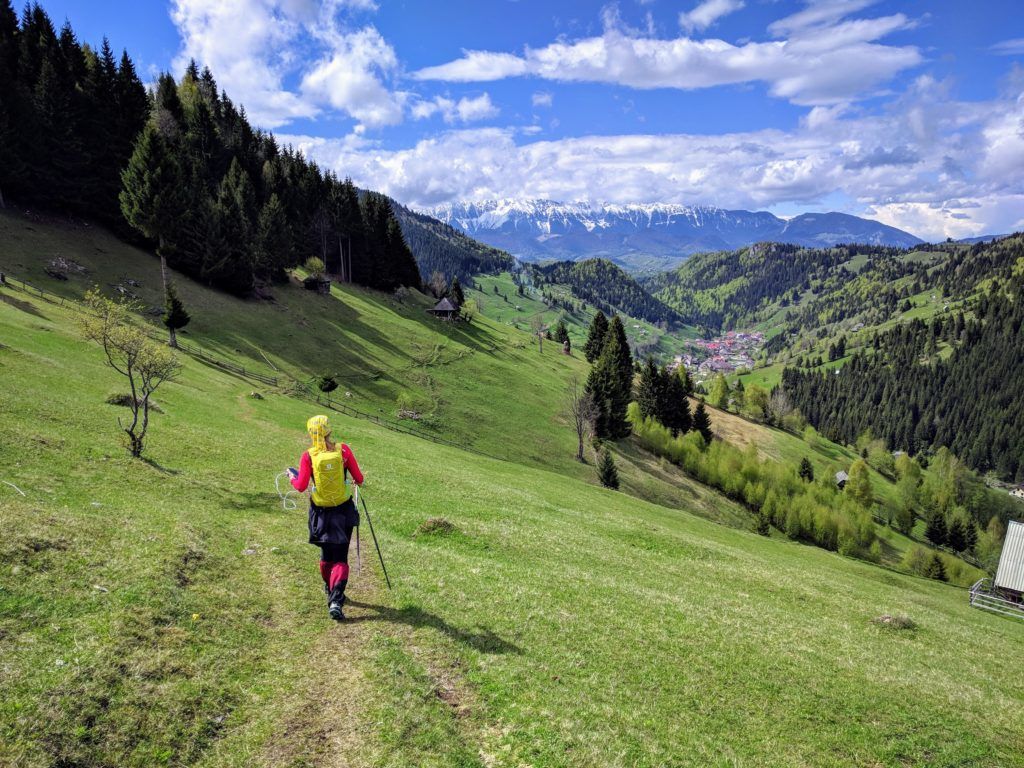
pixel 175 316
pixel 561 332
pixel 649 391
pixel 618 361
pixel 936 569
pixel 686 379
pixel 970 536
pixel 702 422
pixel 806 470
pixel 598 388
pixel 956 536
pixel 676 408
pixel 606 471
pixel 150 199
pixel 272 246
pixel 228 264
pixel 595 336
pixel 936 532
pixel 455 292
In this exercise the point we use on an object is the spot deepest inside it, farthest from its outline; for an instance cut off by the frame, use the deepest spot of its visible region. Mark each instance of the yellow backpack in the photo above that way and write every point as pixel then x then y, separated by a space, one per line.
pixel 329 478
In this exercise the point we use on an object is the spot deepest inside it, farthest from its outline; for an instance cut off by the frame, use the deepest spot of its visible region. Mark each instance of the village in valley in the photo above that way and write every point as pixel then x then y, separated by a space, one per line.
pixel 726 354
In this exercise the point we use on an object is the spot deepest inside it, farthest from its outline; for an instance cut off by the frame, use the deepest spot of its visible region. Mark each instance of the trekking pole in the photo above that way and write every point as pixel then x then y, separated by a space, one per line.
pixel 359 555
pixel 375 544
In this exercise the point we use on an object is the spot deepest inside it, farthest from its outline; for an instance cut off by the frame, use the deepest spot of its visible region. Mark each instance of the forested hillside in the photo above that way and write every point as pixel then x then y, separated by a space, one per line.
pixel 607 287
pixel 69 116
pixel 441 248
pixel 901 389
pixel 182 169
pixel 804 289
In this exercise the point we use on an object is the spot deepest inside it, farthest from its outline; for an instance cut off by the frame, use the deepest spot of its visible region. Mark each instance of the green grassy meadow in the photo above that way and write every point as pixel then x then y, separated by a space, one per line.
pixel 169 612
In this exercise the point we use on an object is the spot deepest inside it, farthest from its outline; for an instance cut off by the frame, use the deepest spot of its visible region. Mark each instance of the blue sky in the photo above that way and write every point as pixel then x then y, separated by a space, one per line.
pixel 909 112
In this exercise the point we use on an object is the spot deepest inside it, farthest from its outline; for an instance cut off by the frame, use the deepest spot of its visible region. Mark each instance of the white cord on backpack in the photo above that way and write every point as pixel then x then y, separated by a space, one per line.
pixel 287 502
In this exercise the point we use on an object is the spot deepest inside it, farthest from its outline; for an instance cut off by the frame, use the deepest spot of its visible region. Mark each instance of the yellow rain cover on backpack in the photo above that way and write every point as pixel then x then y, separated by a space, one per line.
pixel 328 466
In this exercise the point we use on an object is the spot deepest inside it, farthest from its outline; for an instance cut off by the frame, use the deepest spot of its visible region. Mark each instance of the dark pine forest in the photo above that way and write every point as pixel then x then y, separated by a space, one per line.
pixel 220 200
pixel 899 387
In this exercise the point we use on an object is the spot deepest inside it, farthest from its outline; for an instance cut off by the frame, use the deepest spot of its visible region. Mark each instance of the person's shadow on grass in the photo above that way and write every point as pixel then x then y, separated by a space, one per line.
pixel 484 641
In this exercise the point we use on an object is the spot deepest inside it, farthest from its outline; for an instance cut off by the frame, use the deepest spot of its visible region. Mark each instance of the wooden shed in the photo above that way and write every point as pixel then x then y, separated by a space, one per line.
pixel 445 310
pixel 1010 573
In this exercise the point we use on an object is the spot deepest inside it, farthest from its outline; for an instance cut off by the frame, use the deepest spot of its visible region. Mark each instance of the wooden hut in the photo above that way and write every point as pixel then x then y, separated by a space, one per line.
pixel 318 283
pixel 445 310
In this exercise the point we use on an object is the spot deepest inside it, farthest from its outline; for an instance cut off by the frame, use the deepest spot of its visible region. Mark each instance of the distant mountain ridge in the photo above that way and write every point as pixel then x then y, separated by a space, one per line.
pixel 648 237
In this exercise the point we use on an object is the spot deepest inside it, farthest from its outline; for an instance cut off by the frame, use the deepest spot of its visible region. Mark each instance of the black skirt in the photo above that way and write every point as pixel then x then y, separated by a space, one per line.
pixel 329 525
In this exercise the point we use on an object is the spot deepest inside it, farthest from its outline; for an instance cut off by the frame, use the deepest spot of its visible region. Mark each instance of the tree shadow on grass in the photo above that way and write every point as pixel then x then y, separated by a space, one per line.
pixel 24 306
pixel 254 501
pixel 485 641
pixel 158 466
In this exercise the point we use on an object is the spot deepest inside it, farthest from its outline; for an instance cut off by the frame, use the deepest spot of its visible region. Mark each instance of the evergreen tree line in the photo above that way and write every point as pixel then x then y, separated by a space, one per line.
pixel 607 287
pixel 972 403
pixel 225 204
pixel 662 395
pixel 659 393
pixel 69 116
pixel 221 201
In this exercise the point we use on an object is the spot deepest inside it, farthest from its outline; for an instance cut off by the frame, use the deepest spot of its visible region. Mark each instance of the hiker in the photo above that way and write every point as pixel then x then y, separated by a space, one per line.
pixel 332 512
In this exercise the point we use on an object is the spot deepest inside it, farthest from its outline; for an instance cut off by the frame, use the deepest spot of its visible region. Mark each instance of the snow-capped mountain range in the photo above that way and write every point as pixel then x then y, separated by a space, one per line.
pixel 643 237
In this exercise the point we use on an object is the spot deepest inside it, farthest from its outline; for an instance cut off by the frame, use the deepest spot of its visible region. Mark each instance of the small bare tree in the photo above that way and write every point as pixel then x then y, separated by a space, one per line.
pixel 581 410
pixel 537 328
pixel 438 285
pixel 779 405
pixel 131 353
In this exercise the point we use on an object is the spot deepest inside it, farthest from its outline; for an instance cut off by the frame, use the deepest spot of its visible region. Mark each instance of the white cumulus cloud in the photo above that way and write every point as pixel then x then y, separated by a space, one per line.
pixel 835 62
pixel 706 14
pixel 255 48
pixel 936 167
pixel 465 110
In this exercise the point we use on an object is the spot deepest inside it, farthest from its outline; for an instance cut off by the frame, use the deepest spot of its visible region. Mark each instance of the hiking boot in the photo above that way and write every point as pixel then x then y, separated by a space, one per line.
pixel 334 609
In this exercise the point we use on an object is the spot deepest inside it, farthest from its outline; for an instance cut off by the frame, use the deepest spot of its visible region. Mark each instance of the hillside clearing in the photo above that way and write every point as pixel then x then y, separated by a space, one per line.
pixel 561 625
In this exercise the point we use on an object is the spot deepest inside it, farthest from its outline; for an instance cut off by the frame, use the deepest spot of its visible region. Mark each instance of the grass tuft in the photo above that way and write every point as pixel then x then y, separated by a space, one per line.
pixel 436 526
pixel 125 400
pixel 895 622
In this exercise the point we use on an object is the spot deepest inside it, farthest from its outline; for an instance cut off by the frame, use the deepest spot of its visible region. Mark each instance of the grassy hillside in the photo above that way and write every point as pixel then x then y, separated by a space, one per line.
pixel 519 311
pixel 485 385
pixel 170 612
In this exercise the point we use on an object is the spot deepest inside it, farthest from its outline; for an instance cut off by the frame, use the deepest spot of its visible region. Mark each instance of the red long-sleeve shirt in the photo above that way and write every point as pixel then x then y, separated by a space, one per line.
pixel 301 482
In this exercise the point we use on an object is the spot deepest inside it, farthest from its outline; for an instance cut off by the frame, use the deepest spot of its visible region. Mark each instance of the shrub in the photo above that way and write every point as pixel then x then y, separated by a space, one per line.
pixel 915 560
pixel 314 266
